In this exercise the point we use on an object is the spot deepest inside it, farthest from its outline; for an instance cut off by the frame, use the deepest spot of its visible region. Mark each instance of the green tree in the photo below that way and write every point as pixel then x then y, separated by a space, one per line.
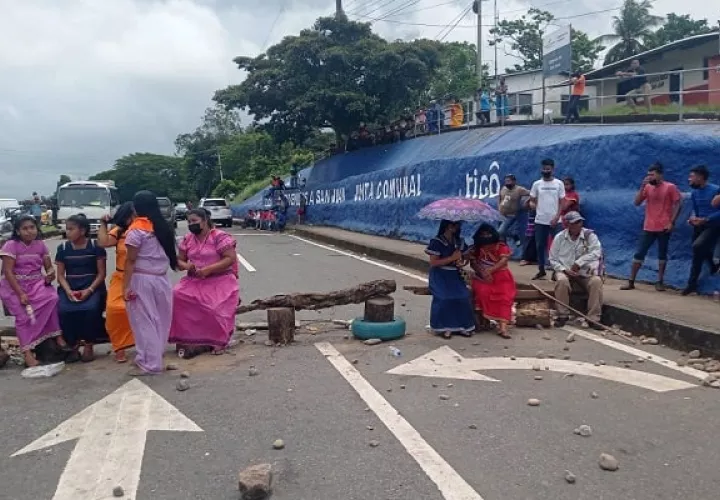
pixel 226 189
pixel 161 174
pixel 456 75
pixel 631 27
pixel 64 179
pixel 336 74
pixel 524 37
pixel 676 27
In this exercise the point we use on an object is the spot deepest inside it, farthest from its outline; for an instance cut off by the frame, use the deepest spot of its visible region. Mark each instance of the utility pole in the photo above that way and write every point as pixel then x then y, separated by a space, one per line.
pixel 496 17
pixel 222 178
pixel 338 9
pixel 478 64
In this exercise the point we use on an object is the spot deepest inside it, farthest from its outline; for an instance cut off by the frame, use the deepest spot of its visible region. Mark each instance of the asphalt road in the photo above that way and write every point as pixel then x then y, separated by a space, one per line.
pixel 328 396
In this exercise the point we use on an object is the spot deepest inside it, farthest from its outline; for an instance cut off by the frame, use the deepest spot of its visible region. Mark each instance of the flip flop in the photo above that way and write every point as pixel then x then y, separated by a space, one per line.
pixel 120 357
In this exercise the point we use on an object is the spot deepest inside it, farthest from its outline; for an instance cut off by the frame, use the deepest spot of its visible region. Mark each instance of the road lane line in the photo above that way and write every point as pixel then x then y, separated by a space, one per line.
pixel 451 485
pixel 692 372
pixel 363 259
pixel 246 264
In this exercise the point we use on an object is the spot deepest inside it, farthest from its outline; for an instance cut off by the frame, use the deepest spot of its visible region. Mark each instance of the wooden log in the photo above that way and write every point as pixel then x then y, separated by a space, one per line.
pixel 257 325
pixel 281 325
pixel 380 310
pixel 314 301
pixel 417 290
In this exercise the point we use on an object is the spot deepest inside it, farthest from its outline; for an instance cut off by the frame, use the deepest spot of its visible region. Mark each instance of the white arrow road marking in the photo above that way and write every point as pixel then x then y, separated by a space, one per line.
pixel 692 372
pixel 451 485
pixel 446 363
pixel 246 264
pixel 111 438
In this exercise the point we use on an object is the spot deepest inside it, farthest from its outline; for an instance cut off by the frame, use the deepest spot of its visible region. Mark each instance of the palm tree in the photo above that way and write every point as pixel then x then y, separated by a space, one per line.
pixel 631 26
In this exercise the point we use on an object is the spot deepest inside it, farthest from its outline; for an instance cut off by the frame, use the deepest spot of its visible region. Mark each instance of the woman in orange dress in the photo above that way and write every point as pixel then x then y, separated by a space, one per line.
pixel 116 319
pixel 493 286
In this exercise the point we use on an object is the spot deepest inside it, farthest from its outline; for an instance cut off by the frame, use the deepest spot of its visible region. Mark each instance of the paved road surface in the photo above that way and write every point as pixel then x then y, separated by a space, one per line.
pixel 480 441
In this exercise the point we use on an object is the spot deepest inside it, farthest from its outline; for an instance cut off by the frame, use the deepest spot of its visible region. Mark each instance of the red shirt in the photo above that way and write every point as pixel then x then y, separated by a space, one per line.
pixel 659 201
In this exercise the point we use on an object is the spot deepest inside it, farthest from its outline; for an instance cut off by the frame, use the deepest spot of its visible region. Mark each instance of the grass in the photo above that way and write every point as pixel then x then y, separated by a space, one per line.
pixel 48 229
pixel 251 189
pixel 672 109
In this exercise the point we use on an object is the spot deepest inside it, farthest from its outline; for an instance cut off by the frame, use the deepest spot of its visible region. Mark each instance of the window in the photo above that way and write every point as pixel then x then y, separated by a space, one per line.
pixel 520 104
pixel 114 199
pixel 583 105
pixel 164 202
pixel 215 203
pixel 83 197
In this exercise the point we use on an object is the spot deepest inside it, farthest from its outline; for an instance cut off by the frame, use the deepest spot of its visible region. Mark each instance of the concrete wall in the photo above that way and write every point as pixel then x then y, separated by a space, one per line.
pixel 380 190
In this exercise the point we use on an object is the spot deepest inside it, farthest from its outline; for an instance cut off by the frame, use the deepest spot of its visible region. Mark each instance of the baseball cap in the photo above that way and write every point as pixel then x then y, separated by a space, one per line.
pixel 573 217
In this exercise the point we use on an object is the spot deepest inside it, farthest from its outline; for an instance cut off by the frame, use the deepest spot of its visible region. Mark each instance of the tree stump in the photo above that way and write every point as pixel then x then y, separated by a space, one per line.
pixel 281 325
pixel 380 310
pixel 4 357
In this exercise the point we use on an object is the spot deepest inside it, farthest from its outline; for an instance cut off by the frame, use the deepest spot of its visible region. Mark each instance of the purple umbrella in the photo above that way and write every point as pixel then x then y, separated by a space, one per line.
pixel 460 209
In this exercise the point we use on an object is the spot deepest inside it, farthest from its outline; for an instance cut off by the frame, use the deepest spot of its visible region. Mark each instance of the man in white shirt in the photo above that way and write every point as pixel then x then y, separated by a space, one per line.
pixel 546 195
pixel 576 258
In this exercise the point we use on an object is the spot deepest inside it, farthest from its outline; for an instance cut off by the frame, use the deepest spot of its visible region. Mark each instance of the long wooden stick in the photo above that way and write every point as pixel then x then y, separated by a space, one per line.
pixel 588 319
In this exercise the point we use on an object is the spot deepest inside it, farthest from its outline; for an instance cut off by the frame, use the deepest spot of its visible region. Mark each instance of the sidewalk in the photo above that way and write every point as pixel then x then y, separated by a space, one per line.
pixel 683 322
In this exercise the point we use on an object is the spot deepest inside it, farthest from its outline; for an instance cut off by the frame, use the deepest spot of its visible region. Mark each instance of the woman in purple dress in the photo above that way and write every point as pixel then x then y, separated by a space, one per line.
pixel 27 292
pixel 204 302
pixel 150 243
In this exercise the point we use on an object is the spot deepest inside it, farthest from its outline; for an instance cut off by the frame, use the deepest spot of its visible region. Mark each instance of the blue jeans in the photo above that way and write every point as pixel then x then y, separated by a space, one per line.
pixel 542 233
pixel 509 223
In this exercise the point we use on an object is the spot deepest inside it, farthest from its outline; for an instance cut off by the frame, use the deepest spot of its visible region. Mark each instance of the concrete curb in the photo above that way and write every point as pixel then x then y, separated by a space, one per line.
pixel 671 333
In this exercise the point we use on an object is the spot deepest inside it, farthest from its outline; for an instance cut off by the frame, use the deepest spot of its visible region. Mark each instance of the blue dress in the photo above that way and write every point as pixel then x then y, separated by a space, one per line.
pixel 82 320
pixel 451 309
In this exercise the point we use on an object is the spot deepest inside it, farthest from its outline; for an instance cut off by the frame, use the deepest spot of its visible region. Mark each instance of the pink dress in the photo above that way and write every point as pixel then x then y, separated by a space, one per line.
pixel 43 298
pixel 150 312
pixel 204 308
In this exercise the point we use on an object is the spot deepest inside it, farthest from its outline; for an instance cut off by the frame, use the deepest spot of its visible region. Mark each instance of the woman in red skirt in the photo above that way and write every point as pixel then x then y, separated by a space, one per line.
pixel 493 286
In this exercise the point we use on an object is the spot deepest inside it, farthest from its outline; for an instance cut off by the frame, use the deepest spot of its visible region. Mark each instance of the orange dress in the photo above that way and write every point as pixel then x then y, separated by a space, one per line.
pixel 495 298
pixel 116 319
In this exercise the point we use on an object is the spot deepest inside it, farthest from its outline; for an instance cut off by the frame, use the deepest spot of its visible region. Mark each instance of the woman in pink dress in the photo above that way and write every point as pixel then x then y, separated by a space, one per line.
pixel 26 292
pixel 204 301
pixel 150 243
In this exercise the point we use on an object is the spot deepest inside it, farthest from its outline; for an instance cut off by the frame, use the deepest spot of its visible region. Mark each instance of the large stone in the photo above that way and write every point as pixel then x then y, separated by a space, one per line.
pixel 255 482
pixel 712 366
pixel 694 354
pixel 608 462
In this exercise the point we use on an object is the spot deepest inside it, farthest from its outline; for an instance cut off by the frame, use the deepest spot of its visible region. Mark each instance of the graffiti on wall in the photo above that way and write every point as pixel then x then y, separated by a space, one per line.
pixel 480 186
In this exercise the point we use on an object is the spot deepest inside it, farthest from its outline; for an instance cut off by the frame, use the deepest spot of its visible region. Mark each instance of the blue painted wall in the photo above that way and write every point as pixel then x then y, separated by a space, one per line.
pixel 379 190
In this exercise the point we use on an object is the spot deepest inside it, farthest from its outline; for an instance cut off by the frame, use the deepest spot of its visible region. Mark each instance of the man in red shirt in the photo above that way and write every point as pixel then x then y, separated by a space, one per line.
pixel 662 206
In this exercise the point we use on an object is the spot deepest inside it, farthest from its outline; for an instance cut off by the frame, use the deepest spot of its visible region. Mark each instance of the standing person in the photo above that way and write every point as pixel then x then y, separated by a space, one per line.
pixel 509 205
pixel 204 301
pixel 529 255
pixel 547 195
pixel 493 285
pixel 576 258
pixel 450 311
pixel 150 244
pixel 26 292
pixel 81 269
pixel 639 86
pixel 117 323
pixel 705 220
pixel 483 115
pixel 36 207
pixel 457 115
pixel 302 210
pixel 578 89
pixel 662 206
pixel 501 101
pixel 571 202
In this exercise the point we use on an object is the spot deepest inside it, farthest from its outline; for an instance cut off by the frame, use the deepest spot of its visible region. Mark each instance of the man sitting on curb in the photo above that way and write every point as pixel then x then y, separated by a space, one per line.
pixel 576 257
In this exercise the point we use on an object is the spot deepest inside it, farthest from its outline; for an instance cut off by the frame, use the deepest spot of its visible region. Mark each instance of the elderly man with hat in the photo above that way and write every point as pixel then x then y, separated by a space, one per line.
pixel 576 257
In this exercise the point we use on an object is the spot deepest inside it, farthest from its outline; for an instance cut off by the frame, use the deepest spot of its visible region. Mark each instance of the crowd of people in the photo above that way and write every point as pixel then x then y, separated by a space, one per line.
pixel 558 241
pixel 139 308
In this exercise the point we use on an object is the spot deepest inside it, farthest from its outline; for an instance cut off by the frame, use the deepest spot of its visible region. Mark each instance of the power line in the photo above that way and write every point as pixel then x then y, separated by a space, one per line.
pixel 367 7
pixel 399 9
pixel 453 26
pixel 272 27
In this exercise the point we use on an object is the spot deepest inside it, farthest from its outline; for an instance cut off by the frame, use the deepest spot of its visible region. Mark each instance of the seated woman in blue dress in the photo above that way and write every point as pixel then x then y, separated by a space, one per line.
pixel 451 311
pixel 81 268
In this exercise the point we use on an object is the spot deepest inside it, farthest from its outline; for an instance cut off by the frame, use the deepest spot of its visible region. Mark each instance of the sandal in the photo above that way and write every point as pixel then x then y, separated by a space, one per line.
pixel 447 335
pixel 504 335
pixel 87 355
pixel 120 356
pixel 218 352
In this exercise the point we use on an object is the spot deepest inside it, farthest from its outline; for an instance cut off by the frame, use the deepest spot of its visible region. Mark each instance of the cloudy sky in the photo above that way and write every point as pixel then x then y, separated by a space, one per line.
pixel 86 81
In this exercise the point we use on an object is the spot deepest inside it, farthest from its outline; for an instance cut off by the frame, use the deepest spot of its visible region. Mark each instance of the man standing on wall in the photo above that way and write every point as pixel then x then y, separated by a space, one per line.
pixel 639 85
pixel 509 205
pixel 705 220
pixel 573 105
pixel 547 195
pixel 662 206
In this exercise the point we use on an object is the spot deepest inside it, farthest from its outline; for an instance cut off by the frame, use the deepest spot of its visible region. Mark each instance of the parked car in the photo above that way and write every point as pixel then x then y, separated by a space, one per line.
pixel 167 209
pixel 181 210
pixel 219 209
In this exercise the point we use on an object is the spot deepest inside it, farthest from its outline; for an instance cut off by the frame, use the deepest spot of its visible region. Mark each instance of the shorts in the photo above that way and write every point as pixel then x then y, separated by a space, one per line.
pixel 647 239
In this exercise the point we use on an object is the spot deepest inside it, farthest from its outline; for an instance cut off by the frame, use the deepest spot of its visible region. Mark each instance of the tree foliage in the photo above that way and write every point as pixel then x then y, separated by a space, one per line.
pixel 456 74
pixel 335 75
pixel 676 27
pixel 524 37
pixel 631 27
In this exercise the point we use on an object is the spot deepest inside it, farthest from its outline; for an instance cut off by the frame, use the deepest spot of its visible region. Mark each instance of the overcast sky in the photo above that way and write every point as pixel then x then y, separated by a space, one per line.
pixel 87 81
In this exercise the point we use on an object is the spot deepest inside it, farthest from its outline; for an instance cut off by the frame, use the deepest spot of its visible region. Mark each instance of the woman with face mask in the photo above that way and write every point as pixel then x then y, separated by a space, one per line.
pixel 493 286
pixel 451 311
pixel 204 301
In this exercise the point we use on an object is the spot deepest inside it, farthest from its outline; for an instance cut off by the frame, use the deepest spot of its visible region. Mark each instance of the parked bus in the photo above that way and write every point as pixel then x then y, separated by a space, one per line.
pixel 95 199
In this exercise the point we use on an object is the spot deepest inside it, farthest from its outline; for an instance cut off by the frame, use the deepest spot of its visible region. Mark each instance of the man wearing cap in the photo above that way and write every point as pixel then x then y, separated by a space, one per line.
pixel 576 258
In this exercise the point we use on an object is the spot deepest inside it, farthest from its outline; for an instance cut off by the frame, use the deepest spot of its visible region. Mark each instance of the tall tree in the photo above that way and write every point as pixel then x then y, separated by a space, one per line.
pixel 456 74
pixel 676 27
pixel 335 75
pixel 632 26
pixel 524 38
pixel 64 179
